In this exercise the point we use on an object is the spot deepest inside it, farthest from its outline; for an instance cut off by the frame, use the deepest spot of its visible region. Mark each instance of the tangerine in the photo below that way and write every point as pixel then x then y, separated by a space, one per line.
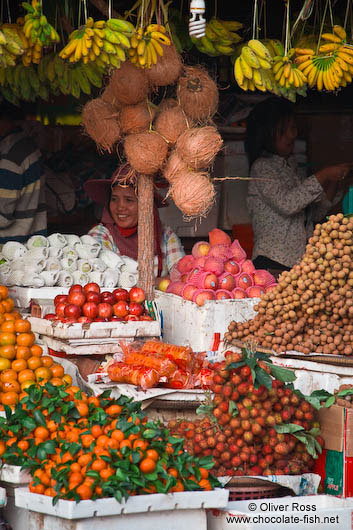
pixel 25 375
pixel 34 362
pixel 42 372
pixel 8 351
pixel 7 375
pixel 23 352
pixel 7 338
pixel 26 339
pixel 36 350
pixel 5 364
pixel 11 385
pixel 9 398
pixel 57 370
pixel 19 364
pixel 147 465
pixel 22 325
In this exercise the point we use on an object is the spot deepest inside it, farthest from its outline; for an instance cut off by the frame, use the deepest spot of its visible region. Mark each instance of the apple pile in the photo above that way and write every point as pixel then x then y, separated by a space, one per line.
pixel 89 304
pixel 253 428
pixel 217 270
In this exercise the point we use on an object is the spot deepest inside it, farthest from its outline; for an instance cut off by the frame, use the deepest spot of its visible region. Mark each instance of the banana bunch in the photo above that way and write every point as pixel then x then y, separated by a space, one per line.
pixel 252 69
pixel 69 78
pixel 36 27
pixel 12 46
pixel 147 45
pixel 220 39
pixel 286 73
pixel 102 42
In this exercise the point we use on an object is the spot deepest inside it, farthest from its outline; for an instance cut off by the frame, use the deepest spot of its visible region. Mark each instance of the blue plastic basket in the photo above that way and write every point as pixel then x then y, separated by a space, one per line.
pixel 348 202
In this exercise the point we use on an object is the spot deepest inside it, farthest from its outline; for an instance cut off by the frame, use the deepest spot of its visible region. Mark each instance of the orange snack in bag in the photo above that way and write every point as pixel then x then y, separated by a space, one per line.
pixel 181 355
pixel 164 366
pixel 134 375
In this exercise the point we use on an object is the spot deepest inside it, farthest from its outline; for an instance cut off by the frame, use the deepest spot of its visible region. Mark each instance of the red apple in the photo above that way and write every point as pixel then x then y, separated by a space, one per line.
pixel 75 287
pixel 114 318
pixel 132 317
pixel 60 309
pixel 121 294
pixel 72 311
pixel 100 319
pixel 92 286
pixel 121 309
pixel 146 317
pixel 231 266
pixel 84 320
pixel 90 309
pixel 135 309
pixel 93 296
pixel 60 298
pixel 77 298
pixel 105 310
pixel 137 294
pixel 108 297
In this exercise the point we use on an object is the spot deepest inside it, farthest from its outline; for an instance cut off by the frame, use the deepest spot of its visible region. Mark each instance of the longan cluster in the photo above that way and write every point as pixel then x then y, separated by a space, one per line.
pixel 311 308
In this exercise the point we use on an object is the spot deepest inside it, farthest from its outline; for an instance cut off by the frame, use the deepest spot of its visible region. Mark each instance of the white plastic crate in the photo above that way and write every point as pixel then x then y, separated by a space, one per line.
pixel 22 296
pixel 139 504
pixel 94 330
pixel 186 324
pixel 316 376
pixel 84 346
pixel 314 512
pixel 14 475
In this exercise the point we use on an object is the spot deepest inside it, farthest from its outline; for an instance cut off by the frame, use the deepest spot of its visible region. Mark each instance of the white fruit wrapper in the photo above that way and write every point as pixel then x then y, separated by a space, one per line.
pixel 111 259
pixel 84 265
pixel 57 240
pixel 65 279
pixel 37 241
pixel 13 250
pixel 38 253
pixel 69 264
pixel 53 264
pixel 50 277
pixel 110 278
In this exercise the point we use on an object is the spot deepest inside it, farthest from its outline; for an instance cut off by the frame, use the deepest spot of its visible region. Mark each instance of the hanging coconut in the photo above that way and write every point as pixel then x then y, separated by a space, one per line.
pixel 171 123
pixel 109 97
pixel 174 166
pixel 197 94
pixel 193 193
pixel 99 120
pixel 146 152
pixel 129 84
pixel 136 118
pixel 167 103
pixel 198 146
pixel 168 68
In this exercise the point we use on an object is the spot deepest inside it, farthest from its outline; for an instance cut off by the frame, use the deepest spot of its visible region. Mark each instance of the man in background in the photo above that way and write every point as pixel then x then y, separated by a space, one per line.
pixel 22 197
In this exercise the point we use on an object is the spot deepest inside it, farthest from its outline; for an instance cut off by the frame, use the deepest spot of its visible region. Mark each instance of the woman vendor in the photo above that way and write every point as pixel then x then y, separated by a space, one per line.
pixel 118 228
pixel 283 205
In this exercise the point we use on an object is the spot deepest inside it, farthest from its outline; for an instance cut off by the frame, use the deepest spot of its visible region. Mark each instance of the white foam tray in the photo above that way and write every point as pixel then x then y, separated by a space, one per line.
pixel 22 296
pixel 138 504
pixel 94 330
pixel 14 475
pixel 91 347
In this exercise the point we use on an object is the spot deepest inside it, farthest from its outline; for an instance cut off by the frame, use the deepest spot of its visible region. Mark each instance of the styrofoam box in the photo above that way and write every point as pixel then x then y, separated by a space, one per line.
pixel 317 512
pixel 186 324
pixel 22 296
pixel 190 500
pixel 84 346
pixel 94 330
pixel 14 475
pixel 316 376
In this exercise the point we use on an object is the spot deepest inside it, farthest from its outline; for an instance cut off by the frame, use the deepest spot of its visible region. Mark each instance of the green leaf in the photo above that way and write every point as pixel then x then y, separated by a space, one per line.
pixel 262 378
pixel 283 374
pixel 204 409
pixel 233 409
pixel 8 412
pixel 173 440
pixel 93 474
pixel 49 446
pixel 151 476
pixel 41 453
pixel 29 423
pixel 346 392
pixel 331 400
pixel 118 496
pixel 39 417
pixel 288 428
pixel 120 474
pixel 150 433
pixel 233 366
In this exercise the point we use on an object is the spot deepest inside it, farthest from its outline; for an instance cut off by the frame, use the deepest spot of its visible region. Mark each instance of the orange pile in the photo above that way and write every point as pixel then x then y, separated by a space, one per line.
pixel 22 362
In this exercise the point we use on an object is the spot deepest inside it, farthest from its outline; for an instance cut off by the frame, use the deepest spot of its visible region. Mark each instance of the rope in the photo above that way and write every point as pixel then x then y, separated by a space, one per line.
pixel 110 9
pixel 8 10
pixel 322 27
pixel 346 14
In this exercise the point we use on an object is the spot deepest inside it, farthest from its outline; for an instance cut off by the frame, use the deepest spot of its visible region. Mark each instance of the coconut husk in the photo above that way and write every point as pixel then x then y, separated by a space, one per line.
pixel 198 146
pixel 109 97
pixel 129 84
pixel 174 166
pixel 167 103
pixel 136 118
pixel 193 193
pixel 197 94
pixel 171 123
pixel 168 68
pixel 146 152
pixel 99 120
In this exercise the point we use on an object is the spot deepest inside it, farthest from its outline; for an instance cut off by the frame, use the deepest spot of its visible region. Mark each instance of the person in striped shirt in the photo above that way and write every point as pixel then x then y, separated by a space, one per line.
pixel 22 196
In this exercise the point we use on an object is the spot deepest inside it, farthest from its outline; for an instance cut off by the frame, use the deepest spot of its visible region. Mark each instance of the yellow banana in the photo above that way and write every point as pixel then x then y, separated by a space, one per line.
pixel 134 41
pixel 347 49
pixel 277 66
pixel 99 32
pixel 260 49
pixel 78 50
pixel 286 70
pixel 264 64
pixel 96 49
pixel 330 37
pixel 160 37
pixel 327 48
pixel 340 32
pixel 120 53
pixel 238 72
pixel 257 77
pixel 319 80
pixel 141 47
pixel 250 57
pixel 279 73
pixel 69 49
pixel 84 49
pixel 345 57
pixel 92 55
pixel 98 41
pixel 100 24
pixel 312 76
pixel 157 47
pixel 156 27
pixel 153 53
pixel 304 51
pixel 342 63
pixel 247 70
pixel 124 40
pixel 302 59
pixel 347 77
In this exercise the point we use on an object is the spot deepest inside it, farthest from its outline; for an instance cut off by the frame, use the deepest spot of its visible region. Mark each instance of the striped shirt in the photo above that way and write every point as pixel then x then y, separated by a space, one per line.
pixel 22 196
pixel 171 247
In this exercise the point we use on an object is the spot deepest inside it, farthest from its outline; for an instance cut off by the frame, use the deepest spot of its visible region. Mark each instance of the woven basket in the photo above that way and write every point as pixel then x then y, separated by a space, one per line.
pixel 244 488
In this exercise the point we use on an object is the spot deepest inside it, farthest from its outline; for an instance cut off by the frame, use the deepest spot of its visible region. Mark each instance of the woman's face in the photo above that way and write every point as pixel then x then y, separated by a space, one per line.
pixel 284 140
pixel 124 207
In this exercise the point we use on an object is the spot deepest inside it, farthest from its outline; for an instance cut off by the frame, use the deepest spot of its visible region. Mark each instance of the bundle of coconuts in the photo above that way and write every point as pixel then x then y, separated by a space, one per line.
pixel 311 308
pixel 175 138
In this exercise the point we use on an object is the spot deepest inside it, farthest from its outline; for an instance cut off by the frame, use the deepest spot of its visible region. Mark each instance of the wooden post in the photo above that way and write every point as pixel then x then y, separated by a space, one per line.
pixel 146 235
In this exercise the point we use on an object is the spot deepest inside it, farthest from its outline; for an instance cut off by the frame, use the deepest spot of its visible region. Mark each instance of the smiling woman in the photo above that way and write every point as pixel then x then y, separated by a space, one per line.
pixel 118 228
